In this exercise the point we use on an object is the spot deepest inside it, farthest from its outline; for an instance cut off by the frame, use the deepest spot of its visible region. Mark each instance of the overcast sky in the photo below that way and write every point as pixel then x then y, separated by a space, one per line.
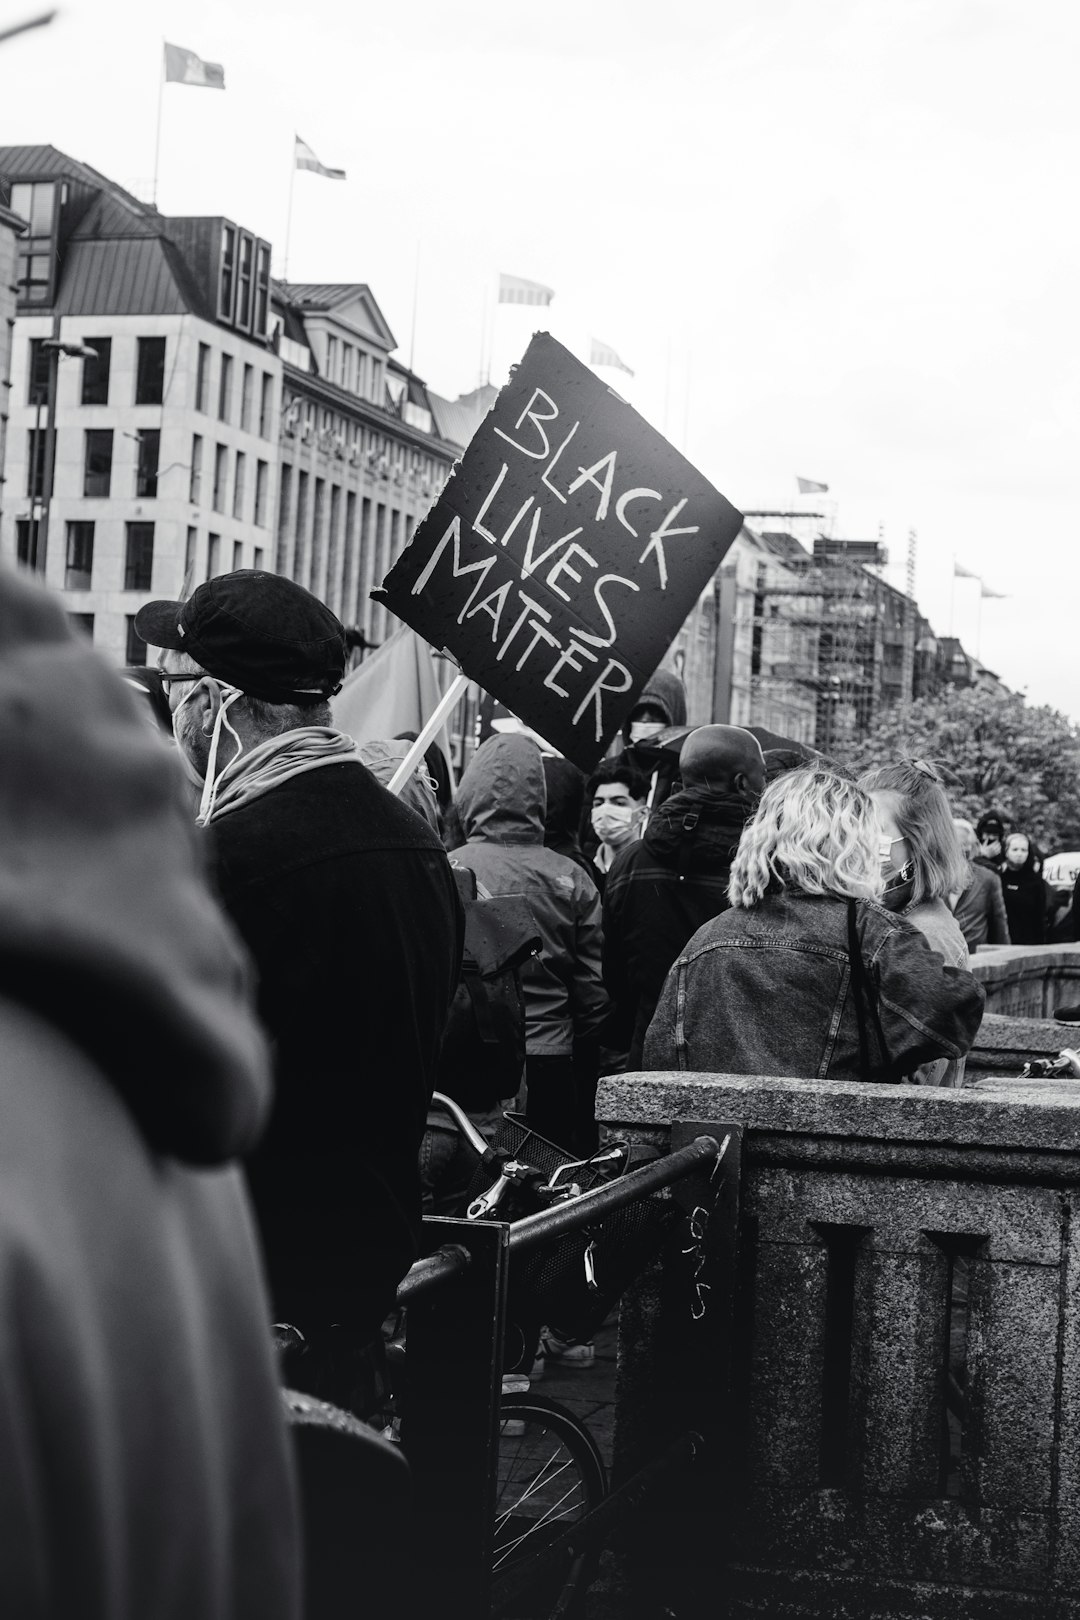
pixel 835 238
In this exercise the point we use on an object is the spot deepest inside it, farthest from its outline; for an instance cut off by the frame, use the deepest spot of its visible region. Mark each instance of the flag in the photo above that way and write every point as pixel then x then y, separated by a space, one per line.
pixel 306 159
pixel 810 486
pixel 395 689
pixel 961 572
pixel 602 354
pixel 996 596
pixel 516 290
pixel 184 67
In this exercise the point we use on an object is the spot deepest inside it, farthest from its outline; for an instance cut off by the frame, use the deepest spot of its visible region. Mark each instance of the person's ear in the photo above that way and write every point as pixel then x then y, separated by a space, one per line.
pixel 206 700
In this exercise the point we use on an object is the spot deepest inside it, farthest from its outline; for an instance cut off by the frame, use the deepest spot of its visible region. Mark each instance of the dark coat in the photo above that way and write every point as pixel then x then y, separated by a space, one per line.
pixel 347 903
pixel 658 893
pixel 1026 904
pixel 980 910
pixel 767 991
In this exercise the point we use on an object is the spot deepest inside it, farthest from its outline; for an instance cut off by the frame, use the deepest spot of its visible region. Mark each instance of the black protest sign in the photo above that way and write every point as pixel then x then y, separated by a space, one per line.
pixel 564 553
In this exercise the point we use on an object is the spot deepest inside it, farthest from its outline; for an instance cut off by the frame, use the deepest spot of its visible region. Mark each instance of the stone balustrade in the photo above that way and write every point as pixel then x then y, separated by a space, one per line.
pixel 898 1431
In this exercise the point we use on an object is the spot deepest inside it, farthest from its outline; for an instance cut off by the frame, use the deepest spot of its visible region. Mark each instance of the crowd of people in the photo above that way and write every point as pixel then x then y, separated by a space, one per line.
pixel 709 899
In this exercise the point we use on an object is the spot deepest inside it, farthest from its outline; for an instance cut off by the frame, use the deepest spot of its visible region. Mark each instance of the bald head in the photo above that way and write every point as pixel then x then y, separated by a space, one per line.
pixel 723 759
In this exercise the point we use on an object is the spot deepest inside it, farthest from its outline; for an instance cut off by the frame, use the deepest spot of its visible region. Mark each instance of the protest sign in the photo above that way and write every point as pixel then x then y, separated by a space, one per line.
pixel 564 553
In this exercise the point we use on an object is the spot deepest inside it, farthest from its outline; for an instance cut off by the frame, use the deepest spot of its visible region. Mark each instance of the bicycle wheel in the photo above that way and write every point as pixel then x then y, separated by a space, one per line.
pixel 550 1475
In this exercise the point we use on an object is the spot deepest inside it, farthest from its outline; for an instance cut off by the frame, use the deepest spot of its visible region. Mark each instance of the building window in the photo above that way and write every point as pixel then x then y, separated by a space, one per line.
pixel 228 273
pixel 224 408
pixel 284 496
pixel 189 559
pixel 262 289
pixel 246 394
pixel 202 378
pixel 265 405
pixel 238 485
pixel 37 249
pixel 80 556
pixel 82 624
pixel 331 358
pixel 221 476
pixel 25 545
pixel 150 371
pixel 97 467
pixel 95 372
pixel 147 475
pixel 213 555
pixel 262 478
pixel 195 487
pixel 247 267
pixel 237 554
pixel 139 557
pixel 40 362
pixel 35 464
pixel 257 559
pixel 136 646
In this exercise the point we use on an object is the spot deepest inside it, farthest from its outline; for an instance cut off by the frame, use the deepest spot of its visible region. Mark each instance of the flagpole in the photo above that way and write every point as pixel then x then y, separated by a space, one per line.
pixel 432 726
pixel 160 106
pixel 415 301
pixel 288 216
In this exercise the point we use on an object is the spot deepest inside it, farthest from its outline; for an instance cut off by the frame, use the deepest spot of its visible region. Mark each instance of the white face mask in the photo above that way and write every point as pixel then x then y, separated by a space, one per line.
pixel 640 730
pixel 210 783
pixel 614 823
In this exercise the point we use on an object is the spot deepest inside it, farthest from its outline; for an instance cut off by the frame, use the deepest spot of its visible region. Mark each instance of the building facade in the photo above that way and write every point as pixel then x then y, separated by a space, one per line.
pixel 145 397
pixel 11 228
pixel 361 454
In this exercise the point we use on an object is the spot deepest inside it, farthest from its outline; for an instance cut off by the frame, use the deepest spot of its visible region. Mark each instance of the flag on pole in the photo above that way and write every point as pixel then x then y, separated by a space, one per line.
pixel 184 67
pixel 516 290
pixel 395 689
pixel 305 159
pixel 996 596
pixel 602 354
pixel 810 486
pixel 963 573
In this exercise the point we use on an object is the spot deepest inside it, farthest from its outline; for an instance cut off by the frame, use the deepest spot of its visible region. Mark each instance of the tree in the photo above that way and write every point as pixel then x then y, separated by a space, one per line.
pixel 996 752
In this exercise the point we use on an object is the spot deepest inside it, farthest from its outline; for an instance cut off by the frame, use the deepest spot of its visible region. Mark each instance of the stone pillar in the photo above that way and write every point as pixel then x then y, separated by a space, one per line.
pixel 901 1430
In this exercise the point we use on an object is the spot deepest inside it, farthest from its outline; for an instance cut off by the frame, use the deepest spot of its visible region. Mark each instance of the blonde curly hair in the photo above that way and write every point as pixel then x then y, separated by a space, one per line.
pixel 814 832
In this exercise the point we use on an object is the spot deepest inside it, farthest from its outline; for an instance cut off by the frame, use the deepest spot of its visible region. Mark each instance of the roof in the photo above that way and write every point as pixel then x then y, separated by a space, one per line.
pixel 132 277
pixel 322 294
pixel 47 163
pixel 456 420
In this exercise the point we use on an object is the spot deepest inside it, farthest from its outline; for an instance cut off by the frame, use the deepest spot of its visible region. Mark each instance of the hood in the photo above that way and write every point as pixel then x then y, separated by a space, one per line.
pixel 107 926
pixel 666 692
pixel 502 798
pixel 382 760
pixel 697 832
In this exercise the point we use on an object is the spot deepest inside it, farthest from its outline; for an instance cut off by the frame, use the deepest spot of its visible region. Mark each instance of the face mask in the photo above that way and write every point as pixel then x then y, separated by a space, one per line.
pixel 614 823
pixel 211 782
pixel 641 730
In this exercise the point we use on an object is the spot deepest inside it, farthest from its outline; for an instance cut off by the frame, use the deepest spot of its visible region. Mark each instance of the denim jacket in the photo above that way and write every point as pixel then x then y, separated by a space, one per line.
pixel 768 991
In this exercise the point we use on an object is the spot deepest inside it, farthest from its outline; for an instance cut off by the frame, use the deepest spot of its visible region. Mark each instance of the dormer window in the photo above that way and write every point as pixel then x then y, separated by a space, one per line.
pixel 228 273
pixel 39 205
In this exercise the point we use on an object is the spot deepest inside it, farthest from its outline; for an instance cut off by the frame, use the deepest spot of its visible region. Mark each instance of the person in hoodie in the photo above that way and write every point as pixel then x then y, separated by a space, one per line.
pixel 346 901
pixel 501 801
pixel 653 731
pixel 146 1466
pixel 662 889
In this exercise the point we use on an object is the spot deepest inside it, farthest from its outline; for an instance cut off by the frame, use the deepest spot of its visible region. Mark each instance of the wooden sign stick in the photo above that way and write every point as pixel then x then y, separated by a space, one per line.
pixel 432 726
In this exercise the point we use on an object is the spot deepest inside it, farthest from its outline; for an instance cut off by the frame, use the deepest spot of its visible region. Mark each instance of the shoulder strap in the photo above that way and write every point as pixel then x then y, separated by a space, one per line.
pixel 865 997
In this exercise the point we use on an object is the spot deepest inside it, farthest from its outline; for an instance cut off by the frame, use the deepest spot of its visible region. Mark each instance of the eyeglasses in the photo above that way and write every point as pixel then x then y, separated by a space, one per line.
pixel 169 677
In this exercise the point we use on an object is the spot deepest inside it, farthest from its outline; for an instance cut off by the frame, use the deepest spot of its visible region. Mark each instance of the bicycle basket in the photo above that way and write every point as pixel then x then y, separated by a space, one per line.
pixel 552 1285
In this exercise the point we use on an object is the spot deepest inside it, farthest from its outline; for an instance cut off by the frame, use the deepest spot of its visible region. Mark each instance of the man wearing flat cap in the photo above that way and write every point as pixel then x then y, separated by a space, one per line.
pixel 346 901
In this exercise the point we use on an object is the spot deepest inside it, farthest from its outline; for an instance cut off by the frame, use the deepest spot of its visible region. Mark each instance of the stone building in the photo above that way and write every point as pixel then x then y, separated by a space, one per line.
pixel 11 228
pixel 142 468
pixel 361 452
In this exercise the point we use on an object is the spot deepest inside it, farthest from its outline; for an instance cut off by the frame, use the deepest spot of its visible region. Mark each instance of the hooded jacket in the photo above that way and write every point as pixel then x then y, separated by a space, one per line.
pixel 658 893
pixel 145 1465
pixel 501 801
pixel 663 691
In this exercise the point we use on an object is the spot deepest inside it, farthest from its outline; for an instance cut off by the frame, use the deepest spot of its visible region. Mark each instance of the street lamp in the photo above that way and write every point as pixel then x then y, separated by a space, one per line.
pixel 54 348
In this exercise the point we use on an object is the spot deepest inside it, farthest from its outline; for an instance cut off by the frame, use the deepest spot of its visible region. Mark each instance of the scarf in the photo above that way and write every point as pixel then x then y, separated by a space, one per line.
pixel 249 776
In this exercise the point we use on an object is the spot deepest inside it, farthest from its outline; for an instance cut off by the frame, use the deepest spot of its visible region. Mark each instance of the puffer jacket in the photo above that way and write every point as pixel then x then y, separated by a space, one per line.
pixel 658 893
pixel 501 803
pixel 769 991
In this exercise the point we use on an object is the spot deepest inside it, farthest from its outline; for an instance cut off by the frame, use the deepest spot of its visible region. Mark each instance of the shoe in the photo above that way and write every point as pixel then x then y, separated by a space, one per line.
pixel 1067 1015
pixel 556 1352
pixel 514 1383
